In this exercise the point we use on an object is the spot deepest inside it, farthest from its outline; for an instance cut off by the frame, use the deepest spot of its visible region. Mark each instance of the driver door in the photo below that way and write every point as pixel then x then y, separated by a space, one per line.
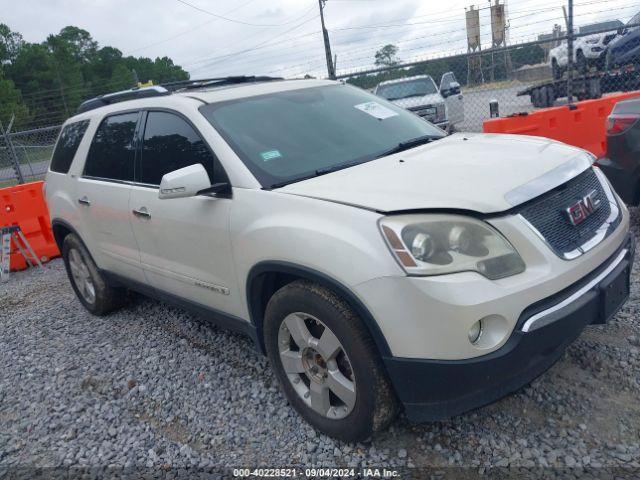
pixel 184 243
pixel 450 90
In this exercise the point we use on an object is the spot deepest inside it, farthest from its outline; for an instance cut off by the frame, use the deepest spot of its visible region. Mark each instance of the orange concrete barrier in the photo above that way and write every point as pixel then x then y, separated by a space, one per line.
pixel 582 126
pixel 24 205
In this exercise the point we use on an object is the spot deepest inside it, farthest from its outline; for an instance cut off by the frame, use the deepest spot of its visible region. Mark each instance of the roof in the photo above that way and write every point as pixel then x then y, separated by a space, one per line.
pixel 406 79
pixel 207 91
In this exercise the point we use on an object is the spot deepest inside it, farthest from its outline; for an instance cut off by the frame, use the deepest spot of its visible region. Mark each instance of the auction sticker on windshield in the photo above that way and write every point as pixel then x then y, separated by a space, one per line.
pixel 270 155
pixel 376 110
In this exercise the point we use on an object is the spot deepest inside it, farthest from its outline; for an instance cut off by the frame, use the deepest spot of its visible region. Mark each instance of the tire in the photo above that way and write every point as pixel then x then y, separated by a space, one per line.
pixel 536 99
pixel 581 62
pixel 549 96
pixel 297 316
pixel 87 281
pixel 556 70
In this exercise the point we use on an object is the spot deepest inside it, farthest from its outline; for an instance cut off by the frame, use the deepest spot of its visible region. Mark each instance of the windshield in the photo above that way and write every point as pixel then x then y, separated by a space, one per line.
pixel 412 88
pixel 634 20
pixel 287 136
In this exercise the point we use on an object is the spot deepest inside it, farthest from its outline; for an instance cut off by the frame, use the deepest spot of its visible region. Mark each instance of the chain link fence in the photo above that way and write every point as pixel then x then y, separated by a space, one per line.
pixel 25 155
pixel 459 92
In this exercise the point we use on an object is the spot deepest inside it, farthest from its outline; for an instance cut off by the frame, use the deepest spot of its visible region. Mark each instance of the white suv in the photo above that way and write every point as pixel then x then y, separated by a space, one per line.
pixel 379 264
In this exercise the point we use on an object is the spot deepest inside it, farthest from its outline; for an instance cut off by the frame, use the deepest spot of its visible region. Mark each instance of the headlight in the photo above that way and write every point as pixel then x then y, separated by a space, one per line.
pixel 435 244
pixel 593 40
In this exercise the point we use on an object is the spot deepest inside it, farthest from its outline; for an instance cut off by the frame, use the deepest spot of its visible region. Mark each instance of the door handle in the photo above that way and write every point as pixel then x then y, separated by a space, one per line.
pixel 142 212
pixel 84 201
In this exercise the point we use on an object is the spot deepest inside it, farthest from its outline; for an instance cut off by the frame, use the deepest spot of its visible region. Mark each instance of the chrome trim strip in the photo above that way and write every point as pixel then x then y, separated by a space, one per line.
pixel 538 320
pixel 553 178
pixel 601 233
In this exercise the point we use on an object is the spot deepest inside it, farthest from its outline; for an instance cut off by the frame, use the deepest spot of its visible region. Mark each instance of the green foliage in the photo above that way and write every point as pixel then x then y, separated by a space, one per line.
pixel 387 56
pixel 11 103
pixel 520 56
pixel 53 77
pixel 10 43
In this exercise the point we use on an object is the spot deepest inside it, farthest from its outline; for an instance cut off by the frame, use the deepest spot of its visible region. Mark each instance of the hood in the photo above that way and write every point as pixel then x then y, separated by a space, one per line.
pixel 486 173
pixel 432 99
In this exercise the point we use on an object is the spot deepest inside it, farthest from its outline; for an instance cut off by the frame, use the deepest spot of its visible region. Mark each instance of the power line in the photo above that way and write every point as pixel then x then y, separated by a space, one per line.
pixel 216 59
pixel 222 17
pixel 186 32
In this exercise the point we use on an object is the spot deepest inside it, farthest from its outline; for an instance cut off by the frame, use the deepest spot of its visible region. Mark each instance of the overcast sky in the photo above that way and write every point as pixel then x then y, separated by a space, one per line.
pixel 282 37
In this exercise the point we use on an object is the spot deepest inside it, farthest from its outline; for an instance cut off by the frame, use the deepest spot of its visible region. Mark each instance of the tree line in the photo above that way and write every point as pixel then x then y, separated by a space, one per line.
pixel 43 83
pixel 387 57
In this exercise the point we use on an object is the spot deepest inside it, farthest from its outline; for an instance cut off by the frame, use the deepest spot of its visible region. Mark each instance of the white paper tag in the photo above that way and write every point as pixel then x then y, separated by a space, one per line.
pixel 376 110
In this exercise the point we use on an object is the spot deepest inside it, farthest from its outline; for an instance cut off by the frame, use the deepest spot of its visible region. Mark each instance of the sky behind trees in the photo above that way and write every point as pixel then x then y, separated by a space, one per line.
pixel 282 37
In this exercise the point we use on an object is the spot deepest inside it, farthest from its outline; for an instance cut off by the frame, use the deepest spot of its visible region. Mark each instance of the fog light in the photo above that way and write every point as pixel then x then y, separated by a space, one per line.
pixel 475 331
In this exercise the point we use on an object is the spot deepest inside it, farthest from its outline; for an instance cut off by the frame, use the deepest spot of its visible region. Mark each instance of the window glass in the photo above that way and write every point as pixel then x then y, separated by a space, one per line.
pixel 285 136
pixel 412 88
pixel 112 151
pixel 170 143
pixel 67 146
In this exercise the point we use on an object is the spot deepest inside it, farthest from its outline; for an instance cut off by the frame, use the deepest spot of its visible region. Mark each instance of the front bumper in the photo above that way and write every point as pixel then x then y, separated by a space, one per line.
pixel 438 389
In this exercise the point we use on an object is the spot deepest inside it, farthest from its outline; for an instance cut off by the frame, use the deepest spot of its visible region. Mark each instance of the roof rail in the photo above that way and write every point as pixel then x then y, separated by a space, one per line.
pixel 210 82
pixel 167 89
pixel 132 94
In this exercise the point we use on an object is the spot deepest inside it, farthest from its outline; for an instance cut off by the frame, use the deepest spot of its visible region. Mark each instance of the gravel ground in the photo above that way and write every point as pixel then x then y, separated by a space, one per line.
pixel 153 386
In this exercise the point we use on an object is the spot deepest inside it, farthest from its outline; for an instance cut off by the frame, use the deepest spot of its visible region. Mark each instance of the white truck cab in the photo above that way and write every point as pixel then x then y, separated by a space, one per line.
pixel 444 106
pixel 379 264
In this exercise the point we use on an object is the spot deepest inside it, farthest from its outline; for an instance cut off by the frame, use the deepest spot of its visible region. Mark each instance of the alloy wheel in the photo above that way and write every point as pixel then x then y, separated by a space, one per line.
pixel 317 365
pixel 81 276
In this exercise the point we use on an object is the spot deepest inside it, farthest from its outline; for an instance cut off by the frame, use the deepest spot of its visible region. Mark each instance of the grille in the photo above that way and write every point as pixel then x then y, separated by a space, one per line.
pixel 428 111
pixel 547 213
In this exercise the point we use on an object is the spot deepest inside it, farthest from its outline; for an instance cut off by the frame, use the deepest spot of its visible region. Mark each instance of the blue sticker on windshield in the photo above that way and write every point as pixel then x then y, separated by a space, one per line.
pixel 270 155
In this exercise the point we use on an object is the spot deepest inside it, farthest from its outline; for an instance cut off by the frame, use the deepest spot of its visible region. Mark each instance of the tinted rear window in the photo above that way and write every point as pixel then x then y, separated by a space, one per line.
pixel 67 146
pixel 112 152
pixel 170 143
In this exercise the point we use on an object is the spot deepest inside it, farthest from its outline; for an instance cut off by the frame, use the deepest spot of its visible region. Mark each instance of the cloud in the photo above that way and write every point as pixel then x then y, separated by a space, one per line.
pixel 209 47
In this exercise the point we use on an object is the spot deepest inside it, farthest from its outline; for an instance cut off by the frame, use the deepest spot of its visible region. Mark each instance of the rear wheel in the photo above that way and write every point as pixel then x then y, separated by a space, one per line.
pixel 326 362
pixel 87 281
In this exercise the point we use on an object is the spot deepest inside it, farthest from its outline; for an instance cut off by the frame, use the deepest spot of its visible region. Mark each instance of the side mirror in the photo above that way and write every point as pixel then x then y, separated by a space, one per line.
pixel 185 182
pixel 454 88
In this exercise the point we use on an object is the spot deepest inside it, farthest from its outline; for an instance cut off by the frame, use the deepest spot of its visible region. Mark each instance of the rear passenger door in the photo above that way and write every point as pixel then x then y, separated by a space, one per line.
pixel 184 242
pixel 103 196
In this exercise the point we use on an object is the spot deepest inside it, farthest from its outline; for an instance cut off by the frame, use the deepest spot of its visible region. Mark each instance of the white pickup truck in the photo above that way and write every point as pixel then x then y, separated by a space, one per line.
pixel 444 106
pixel 587 52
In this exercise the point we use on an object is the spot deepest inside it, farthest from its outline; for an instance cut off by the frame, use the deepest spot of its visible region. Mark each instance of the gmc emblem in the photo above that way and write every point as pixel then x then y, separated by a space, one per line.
pixel 582 209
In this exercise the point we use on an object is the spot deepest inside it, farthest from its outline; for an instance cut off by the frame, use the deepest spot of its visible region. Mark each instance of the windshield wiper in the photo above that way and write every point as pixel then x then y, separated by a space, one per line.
pixel 401 147
pixel 318 173
pixel 409 144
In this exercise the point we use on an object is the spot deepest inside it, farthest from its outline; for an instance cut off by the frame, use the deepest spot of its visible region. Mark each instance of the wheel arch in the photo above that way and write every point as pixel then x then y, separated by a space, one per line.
pixel 60 230
pixel 265 278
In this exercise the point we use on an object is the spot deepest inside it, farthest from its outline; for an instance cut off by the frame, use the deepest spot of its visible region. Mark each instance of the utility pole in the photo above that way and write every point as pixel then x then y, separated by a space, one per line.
pixel 327 46
pixel 570 53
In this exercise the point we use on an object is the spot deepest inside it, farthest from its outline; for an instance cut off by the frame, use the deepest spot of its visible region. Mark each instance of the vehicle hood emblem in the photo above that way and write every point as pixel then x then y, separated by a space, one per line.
pixel 579 211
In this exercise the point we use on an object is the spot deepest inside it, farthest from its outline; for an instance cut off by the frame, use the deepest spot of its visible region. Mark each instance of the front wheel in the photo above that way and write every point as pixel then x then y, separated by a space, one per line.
pixel 326 362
